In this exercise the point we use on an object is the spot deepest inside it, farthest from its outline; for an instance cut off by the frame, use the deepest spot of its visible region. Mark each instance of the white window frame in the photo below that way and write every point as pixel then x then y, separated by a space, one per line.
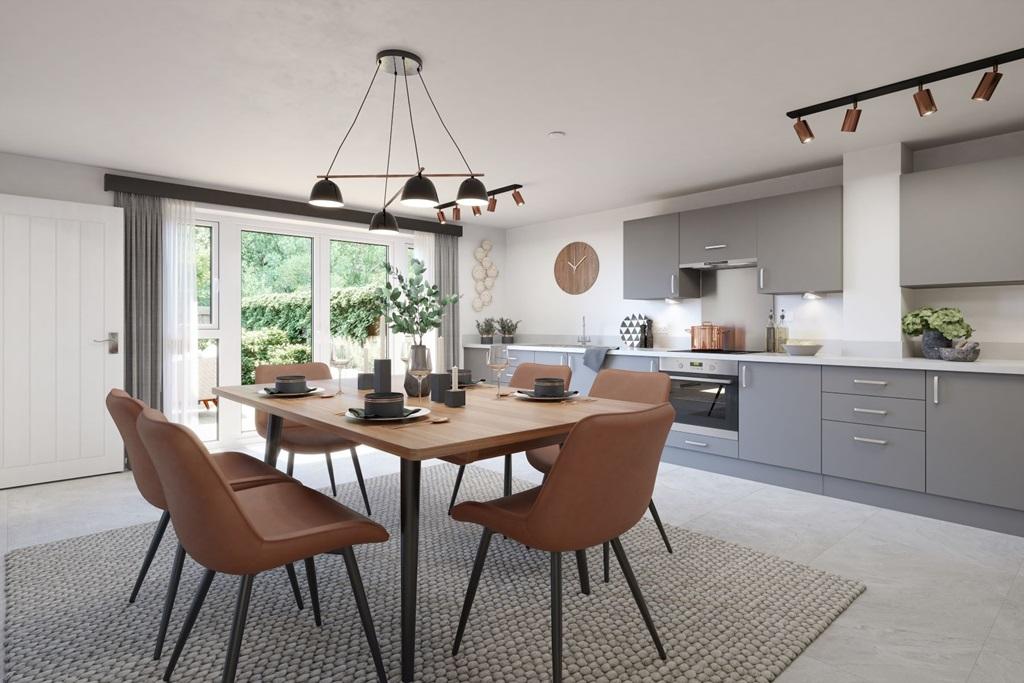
pixel 214 323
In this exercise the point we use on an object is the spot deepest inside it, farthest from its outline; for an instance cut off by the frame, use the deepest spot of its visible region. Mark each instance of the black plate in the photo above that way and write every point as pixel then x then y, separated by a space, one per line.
pixel 532 394
pixel 361 414
pixel 471 384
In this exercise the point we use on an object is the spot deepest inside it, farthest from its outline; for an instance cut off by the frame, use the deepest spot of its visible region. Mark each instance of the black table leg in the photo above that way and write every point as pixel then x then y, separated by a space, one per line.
pixel 410 528
pixel 275 427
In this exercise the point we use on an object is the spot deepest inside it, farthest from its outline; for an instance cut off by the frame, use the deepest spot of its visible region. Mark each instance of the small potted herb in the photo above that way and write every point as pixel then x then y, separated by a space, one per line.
pixel 937 327
pixel 508 328
pixel 486 328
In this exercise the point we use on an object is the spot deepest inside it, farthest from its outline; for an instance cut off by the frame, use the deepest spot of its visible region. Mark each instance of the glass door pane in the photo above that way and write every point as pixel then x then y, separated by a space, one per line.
pixel 208 373
pixel 358 334
pixel 277 303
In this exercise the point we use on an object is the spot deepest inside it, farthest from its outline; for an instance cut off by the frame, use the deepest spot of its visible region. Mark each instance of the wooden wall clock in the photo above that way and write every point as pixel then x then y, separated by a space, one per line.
pixel 576 267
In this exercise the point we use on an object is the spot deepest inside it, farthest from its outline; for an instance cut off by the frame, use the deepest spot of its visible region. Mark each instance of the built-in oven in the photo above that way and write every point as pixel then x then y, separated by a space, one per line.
pixel 705 394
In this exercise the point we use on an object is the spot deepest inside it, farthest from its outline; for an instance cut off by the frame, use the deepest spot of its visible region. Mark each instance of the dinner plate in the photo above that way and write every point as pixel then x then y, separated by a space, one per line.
pixel 416 414
pixel 313 391
pixel 471 384
pixel 527 395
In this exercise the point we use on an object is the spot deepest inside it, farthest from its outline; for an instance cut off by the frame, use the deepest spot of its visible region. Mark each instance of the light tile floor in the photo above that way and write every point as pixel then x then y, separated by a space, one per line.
pixel 944 602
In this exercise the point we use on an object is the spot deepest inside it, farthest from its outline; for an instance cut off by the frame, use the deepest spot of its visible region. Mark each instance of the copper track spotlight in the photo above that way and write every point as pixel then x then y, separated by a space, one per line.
pixel 476 210
pixel 925 102
pixel 440 217
pixel 803 131
pixel 517 197
pixel 456 213
pixel 987 86
pixel 492 203
pixel 851 119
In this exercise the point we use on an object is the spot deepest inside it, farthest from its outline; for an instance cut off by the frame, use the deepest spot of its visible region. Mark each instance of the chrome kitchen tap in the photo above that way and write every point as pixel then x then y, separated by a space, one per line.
pixel 583 339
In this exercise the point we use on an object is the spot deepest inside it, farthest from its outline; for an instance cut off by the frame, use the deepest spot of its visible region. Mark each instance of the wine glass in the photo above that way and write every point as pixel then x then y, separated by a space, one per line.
pixel 339 357
pixel 497 360
pixel 419 365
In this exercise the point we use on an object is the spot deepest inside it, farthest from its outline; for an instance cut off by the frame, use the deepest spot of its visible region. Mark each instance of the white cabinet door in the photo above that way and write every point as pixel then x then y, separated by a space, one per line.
pixel 61 288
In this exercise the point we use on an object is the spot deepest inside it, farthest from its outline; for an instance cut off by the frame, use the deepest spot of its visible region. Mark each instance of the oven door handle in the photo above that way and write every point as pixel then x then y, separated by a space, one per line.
pixel 710 380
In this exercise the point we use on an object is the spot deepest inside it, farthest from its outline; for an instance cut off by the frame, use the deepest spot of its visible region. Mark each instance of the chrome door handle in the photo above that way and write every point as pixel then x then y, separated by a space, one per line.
pixel 864 439
pixel 935 390
pixel 871 411
pixel 110 341
pixel 872 382
pixel 709 380
pixel 760 278
pixel 672 284
pixel 715 246
pixel 743 376
pixel 695 443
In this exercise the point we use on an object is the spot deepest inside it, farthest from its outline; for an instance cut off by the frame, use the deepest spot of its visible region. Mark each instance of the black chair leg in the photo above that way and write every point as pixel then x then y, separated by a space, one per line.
pixel 364 612
pixel 158 534
pixel 508 475
pixel 634 588
pixel 314 592
pixel 556 617
pixel 237 629
pixel 474 581
pixel 291 463
pixel 172 593
pixel 359 478
pixel 330 473
pixel 661 527
pixel 455 491
pixel 584 570
pixel 190 621
pixel 605 553
pixel 294 581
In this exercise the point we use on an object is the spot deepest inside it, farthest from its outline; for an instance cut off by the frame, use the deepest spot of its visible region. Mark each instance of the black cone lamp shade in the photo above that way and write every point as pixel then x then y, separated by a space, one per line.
pixel 419 192
pixel 472 193
pixel 326 194
pixel 384 222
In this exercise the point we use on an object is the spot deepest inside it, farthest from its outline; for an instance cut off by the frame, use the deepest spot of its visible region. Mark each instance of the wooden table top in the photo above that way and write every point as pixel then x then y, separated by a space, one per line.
pixel 486 426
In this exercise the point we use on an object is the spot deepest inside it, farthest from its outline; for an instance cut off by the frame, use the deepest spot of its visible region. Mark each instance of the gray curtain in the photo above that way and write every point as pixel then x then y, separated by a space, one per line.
pixel 446 277
pixel 143 277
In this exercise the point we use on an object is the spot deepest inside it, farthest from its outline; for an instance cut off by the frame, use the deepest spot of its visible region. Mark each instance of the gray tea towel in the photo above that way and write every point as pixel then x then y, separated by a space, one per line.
pixel 593 357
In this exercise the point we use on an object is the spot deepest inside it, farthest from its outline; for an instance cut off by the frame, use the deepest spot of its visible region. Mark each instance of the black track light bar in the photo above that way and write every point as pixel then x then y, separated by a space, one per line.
pixel 907 84
pixel 490 193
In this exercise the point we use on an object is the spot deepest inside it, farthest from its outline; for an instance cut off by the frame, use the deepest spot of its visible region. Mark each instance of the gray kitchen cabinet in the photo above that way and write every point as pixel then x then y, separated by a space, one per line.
pixel 634 363
pixel 975 437
pixel 879 455
pixel 718 233
pixel 780 415
pixel 475 360
pixel 582 376
pixel 650 260
pixel 800 242
pixel 550 357
pixel 963 225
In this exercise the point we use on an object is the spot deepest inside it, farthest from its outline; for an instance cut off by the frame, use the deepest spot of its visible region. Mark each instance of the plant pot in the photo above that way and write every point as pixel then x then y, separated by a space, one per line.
pixel 931 342
pixel 417 356
pixel 508 339
pixel 487 340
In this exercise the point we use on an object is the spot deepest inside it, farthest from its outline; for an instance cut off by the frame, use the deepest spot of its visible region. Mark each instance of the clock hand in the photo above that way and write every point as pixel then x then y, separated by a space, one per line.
pixel 581 260
pixel 571 264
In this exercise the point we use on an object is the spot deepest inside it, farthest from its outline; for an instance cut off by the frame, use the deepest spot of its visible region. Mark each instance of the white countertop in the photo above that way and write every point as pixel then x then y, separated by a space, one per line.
pixel 983 365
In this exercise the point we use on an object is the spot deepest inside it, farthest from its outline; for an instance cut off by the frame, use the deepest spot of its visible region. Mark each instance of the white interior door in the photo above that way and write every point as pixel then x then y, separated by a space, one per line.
pixel 61 288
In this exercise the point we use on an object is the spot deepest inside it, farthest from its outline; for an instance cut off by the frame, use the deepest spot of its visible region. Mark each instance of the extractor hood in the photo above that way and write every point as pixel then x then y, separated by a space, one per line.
pixel 721 265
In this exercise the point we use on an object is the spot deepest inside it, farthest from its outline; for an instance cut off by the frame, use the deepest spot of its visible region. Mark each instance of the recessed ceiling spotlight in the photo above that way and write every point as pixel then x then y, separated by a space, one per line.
pixel 987 86
pixel 556 134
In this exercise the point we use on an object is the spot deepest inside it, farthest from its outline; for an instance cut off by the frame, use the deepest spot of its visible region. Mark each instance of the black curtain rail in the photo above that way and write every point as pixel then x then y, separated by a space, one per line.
pixel 907 84
pixel 490 193
pixel 241 200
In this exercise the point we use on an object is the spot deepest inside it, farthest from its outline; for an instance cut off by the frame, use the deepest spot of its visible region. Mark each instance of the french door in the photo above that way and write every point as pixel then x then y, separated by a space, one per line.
pixel 61 320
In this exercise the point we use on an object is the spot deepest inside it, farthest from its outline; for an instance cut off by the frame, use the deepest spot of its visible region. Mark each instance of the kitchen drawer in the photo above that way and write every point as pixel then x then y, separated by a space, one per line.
pixel 702 444
pixel 873 410
pixel 873 381
pixel 517 356
pixel 879 455
pixel 550 358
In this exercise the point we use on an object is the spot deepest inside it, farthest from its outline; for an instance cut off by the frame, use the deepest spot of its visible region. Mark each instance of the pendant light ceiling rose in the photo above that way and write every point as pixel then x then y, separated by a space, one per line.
pixel 399 62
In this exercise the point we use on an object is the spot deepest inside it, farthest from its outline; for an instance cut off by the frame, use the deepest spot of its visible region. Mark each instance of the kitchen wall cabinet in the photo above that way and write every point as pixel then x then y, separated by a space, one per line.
pixel 975 437
pixel 718 233
pixel 650 265
pixel 800 242
pixel 780 415
pixel 963 225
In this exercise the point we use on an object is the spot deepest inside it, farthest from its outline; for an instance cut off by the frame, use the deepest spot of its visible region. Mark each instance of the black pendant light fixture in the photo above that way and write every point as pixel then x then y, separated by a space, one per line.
pixel 418 190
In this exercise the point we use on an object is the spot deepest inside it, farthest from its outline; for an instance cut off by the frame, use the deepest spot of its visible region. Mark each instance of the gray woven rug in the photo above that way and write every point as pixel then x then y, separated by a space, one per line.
pixel 725 612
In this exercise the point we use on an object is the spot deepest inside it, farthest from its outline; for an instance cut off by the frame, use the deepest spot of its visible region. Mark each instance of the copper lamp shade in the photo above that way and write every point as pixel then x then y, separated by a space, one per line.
pixel 851 120
pixel 492 203
pixel 440 217
pixel 987 86
pixel 803 131
pixel 925 102
pixel 517 197
pixel 456 213
pixel 477 211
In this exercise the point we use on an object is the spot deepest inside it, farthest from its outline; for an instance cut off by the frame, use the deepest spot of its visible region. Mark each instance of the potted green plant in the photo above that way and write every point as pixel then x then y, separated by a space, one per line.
pixel 937 327
pixel 507 327
pixel 414 307
pixel 486 328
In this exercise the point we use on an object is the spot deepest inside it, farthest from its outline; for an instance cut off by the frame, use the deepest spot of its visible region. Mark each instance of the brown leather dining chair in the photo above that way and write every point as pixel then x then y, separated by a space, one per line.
pixel 241 471
pixel 619 385
pixel 522 378
pixel 298 438
pixel 250 531
pixel 597 490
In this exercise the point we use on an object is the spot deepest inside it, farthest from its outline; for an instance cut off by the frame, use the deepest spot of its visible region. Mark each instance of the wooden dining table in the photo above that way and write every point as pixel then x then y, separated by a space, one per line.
pixel 487 426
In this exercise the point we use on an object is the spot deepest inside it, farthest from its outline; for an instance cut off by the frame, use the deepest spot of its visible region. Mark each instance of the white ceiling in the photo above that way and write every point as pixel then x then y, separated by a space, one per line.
pixel 658 98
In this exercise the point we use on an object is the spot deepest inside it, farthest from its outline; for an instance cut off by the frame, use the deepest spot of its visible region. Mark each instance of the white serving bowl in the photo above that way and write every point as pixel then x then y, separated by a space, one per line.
pixel 802 349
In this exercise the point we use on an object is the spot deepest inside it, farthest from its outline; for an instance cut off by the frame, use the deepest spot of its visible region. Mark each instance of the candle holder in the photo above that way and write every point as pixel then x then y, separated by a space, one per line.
pixel 455 398
pixel 439 384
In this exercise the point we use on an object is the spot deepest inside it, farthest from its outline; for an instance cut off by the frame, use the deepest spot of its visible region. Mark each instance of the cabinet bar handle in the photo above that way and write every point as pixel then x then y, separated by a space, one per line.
pixel 872 382
pixel 935 390
pixel 871 411
pixel 696 443
pixel 864 439
pixel 743 376
pixel 760 278
pixel 715 246
pixel 672 284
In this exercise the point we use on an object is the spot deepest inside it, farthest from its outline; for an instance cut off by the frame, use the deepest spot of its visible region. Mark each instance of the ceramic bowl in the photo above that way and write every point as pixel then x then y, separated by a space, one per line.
pixel 384 404
pixel 968 355
pixel 549 387
pixel 290 384
pixel 802 349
